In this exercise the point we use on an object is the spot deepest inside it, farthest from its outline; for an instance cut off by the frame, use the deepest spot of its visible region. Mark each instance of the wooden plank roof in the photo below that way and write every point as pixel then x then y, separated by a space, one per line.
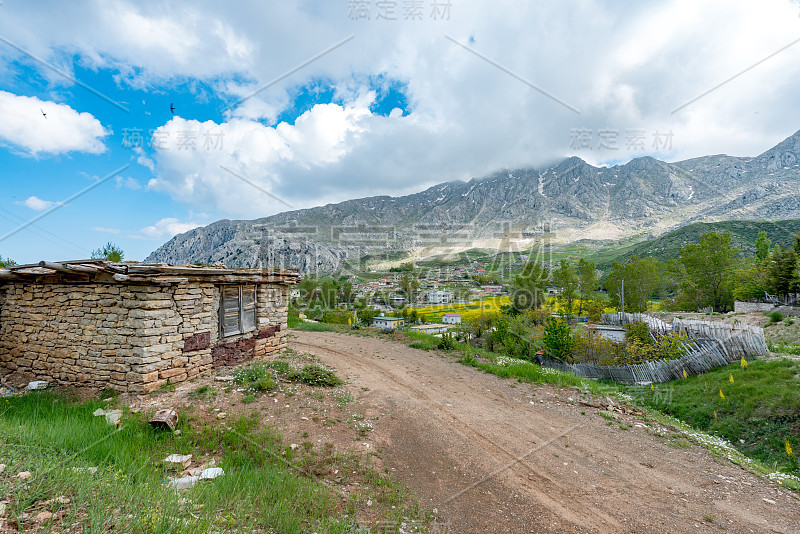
pixel 94 270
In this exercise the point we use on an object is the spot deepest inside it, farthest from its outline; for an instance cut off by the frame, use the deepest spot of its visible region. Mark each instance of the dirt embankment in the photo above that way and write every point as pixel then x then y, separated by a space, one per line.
pixel 494 455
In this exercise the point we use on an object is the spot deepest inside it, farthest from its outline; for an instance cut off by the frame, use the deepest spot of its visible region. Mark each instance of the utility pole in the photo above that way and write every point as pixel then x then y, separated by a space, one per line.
pixel 622 303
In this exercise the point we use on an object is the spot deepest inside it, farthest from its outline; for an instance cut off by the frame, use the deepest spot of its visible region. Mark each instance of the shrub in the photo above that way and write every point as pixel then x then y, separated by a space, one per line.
pixel 280 367
pixel 557 339
pixel 256 377
pixel 775 317
pixel 315 375
pixel 591 347
pixel 446 342
pixel 638 331
pixel 594 309
pixel 337 316
pixel 367 315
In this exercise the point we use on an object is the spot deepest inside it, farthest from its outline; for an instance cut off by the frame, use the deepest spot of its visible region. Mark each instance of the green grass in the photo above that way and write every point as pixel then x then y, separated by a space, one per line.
pixel 266 486
pixel 314 327
pixel 761 406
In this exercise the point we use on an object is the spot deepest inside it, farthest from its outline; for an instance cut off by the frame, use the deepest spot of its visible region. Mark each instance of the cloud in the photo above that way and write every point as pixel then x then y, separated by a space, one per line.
pixel 101 229
pixel 625 67
pixel 37 204
pixel 165 229
pixel 62 130
pixel 128 183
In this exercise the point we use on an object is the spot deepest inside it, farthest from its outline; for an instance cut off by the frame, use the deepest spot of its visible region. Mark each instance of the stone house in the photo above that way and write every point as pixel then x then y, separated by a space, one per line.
pixel 134 327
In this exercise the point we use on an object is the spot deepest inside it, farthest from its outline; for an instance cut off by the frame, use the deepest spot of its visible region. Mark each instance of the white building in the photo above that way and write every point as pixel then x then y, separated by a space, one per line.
pixel 439 297
pixel 384 321
pixel 451 318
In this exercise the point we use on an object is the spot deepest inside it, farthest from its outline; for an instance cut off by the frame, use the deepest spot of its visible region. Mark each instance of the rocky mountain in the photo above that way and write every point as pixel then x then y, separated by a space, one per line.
pixel 510 209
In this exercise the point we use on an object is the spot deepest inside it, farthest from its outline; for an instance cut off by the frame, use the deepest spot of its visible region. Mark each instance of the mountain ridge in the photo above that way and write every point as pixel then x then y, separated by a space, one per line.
pixel 510 208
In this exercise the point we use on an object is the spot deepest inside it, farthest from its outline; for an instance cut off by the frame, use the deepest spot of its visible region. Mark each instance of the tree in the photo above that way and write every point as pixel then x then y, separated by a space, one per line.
pixel 308 288
pixel 706 272
pixel 529 287
pixel 346 292
pixel 557 339
pixel 566 279
pixel 409 286
pixel 109 252
pixel 781 271
pixel 642 279
pixel 328 291
pixel 587 281
pixel 6 262
pixel 762 246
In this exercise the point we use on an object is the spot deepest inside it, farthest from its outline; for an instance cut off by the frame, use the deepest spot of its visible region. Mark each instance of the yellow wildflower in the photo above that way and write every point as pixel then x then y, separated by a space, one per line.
pixel 731 378
pixel 652 388
pixel 684 374
pixel 715 415
pixel 743 363
pixel 721 394
pixel 789 451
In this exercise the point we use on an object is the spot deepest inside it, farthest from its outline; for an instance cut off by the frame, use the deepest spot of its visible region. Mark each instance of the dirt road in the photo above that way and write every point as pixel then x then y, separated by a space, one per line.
pixel 494 455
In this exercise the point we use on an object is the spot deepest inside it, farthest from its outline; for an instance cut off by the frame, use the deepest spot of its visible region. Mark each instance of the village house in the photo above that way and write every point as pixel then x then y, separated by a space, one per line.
pixel 134 327
pixel 451 318
pixel 439 297
pixel 385 321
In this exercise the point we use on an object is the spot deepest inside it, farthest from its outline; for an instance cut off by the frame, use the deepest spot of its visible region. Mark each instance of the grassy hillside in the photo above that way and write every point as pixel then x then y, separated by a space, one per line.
pixel 743 236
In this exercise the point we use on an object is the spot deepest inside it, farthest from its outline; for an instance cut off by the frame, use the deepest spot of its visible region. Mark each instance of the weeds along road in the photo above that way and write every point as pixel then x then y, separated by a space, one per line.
pixel 495 455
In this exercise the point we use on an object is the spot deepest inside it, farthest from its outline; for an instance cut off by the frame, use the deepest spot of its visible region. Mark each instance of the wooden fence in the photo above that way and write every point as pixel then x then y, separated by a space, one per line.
pixel 710 345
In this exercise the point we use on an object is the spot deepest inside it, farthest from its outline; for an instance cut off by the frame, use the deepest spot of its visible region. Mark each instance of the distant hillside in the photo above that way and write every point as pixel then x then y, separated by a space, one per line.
pixel 743 236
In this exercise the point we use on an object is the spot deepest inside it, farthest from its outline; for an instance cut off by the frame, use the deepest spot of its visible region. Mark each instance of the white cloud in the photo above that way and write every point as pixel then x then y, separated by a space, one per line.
pixel 128 183
pixel 24 125
pixel 165 229
pixel 623 65
pixel 37 204
pixel 104 230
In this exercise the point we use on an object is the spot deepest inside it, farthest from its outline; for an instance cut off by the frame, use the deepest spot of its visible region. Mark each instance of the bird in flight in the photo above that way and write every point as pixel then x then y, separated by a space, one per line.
pixel 172 108
pixel 43 113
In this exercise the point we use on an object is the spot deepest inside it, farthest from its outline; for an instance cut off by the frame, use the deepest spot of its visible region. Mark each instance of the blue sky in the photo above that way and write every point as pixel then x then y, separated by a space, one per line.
pixel 299 104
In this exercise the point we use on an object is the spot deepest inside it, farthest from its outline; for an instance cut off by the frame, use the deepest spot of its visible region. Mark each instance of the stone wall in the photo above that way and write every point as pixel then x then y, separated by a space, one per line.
pixel 128 337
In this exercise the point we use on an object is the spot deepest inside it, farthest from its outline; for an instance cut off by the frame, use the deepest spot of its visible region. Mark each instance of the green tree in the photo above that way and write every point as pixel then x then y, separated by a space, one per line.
pixel 109 252
pixel 642 279
pixel 706 272
pixel 6 262
pixel 328 291
pixel 750 281
pixel 346 292
pixel 567 280
pixel 762 246
pixel 308 288
pixel 782 271
pixel 557 339
pixel 587 281
pixel 529 287
pixel 409 285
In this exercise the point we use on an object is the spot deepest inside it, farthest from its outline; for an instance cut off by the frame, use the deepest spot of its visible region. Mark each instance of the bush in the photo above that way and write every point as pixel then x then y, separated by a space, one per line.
pixel 446 342
pixel 594 309
pixel 557 339
pixel 255 377
pixel 315 375
pixel 280 367
pixel 367 315
pixel 775 317
pixel 337 316
pixel 639 332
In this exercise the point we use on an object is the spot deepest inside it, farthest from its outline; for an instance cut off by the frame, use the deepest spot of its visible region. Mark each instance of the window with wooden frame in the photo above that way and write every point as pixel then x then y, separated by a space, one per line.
pixel 237 310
